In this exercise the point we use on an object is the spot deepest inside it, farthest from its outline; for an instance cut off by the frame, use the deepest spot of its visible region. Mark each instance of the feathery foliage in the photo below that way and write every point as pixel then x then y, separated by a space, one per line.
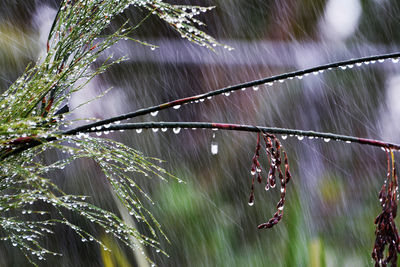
pixel 32 112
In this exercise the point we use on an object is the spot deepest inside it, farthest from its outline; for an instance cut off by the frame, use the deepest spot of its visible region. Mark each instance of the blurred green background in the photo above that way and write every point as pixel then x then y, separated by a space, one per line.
pixel 332 199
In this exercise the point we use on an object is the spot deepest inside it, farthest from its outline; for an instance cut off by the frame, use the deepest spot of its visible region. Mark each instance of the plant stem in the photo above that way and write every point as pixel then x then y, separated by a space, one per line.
pixel 271 79
pixel 244 128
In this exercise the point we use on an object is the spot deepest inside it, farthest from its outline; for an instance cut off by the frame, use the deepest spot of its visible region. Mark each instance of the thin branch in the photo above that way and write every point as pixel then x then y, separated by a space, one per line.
pixel 245 128
pixel 281 77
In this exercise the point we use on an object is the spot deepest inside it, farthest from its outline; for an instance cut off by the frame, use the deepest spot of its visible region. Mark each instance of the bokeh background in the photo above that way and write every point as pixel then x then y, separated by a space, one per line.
pixel 332 199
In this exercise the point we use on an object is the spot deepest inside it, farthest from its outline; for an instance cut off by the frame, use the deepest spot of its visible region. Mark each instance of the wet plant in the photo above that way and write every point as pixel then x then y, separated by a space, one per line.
pixel 32 122
pixel 273 150
pixel 386 231
pixel 33 111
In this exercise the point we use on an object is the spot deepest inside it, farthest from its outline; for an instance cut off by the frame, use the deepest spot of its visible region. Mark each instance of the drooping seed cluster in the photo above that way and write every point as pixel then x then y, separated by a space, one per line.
pixel 386 231
pixel 273 150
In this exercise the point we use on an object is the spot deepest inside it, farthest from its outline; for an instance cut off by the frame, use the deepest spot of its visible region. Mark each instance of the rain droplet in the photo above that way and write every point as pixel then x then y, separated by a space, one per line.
pixel 164 129
pixel 395 60
pixel 176 106
pixel 284 137
pixel 177 130
pixel 327 140
pixel 300 137
pixel 227 93
pixel 214 148
pixel 139 130
pixel 155 130
pixel 251 203
pixel 255 88
pixel 348 142
pixel 154 113
pixel 253 172
pixel 98 133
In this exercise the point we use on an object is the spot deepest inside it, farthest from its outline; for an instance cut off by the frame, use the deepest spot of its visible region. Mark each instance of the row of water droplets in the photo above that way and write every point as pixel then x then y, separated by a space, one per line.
pixel 202 98
pixel 301 137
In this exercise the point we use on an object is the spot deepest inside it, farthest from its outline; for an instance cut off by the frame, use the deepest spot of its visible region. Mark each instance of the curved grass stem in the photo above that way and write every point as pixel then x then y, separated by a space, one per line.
pixel 244 128
pixel 271 79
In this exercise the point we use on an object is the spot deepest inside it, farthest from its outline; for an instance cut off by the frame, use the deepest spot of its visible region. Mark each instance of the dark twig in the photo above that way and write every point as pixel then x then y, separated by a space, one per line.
pixel 222 126
pixel 239 127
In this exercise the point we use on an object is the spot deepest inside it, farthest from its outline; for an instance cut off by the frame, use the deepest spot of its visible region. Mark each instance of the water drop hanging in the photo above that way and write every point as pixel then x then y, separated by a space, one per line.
pixel 251 202
pixel 214 148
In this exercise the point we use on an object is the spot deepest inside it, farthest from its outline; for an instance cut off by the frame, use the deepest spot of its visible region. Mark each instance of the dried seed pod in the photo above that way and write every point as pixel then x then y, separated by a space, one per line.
pixel 386 231
pixel 274 152
pixel 259 177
